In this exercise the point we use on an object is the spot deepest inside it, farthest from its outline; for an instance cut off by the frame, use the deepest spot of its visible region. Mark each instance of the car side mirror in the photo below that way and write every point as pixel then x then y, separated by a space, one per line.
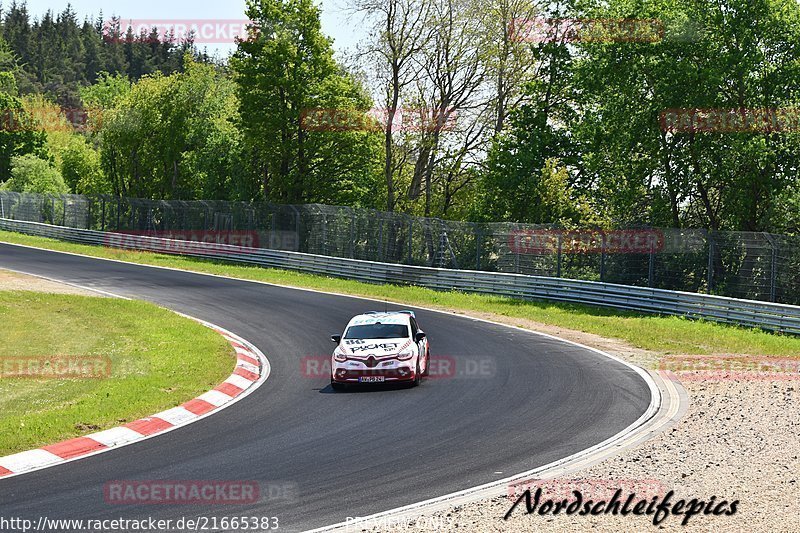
pixel 421 335
pixel 336 338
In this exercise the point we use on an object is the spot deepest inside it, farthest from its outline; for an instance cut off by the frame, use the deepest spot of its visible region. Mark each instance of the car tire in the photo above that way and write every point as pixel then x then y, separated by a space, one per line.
pixel 417 377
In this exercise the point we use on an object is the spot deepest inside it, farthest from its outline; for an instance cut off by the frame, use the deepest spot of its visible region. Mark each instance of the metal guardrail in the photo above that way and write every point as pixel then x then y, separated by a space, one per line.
pixel 769 316
pixel 746 265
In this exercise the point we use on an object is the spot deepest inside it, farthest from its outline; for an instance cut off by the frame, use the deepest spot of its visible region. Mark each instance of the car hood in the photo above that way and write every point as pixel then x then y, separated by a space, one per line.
pixel 375 347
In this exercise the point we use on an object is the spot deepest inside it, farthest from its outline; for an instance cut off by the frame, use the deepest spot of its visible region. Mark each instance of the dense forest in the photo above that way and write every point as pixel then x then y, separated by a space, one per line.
pixel 483 110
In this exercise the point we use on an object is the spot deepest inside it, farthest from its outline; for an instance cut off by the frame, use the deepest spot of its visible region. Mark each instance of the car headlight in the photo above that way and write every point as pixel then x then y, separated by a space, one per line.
pixel 405 356
pixel 340 357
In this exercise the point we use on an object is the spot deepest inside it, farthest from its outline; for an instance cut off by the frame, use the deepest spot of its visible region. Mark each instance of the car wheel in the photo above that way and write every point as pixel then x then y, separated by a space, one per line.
pixel 417 377
pixel 427 366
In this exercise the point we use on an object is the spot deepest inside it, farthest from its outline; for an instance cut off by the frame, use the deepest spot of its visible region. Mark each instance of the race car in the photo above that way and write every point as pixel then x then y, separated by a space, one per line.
pixel 380 347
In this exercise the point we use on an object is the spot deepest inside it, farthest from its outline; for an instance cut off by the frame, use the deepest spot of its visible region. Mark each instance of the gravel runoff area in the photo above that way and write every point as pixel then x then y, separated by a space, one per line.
pixel 12 281
pixel 739 440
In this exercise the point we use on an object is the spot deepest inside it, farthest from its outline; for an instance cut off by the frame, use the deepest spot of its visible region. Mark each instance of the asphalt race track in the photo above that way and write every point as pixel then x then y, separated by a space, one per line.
pixel 518 401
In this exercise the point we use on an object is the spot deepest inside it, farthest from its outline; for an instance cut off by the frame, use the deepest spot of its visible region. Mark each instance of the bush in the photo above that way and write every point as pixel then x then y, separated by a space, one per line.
pixel 32 174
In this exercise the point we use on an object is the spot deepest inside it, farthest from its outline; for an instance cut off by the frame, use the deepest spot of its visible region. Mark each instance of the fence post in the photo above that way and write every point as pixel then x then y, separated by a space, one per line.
pixel 710 237
pixel 773 285
pixel 651 266
pixel 352 234
pixel 2 208
pixel 603 258
pixel 478 246
pixel 298 228
pixel 560 251
pixel 380 239
pixel 273 233
pixel 410 240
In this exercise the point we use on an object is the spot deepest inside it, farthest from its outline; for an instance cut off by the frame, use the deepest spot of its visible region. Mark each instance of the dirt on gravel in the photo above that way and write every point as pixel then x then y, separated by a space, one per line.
pixel 739 441
pixel 12 281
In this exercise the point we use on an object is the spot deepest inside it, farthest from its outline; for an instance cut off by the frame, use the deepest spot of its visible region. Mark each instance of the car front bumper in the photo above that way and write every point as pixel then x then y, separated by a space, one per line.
pixel 389 375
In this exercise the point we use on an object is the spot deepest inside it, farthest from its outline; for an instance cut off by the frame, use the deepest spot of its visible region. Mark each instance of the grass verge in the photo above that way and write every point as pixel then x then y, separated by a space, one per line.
pixel 158 360
pixel 671 335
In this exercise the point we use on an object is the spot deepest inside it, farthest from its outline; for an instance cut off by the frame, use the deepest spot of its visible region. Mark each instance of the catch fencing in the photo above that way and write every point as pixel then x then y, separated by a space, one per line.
pixel 745 265
pixel 768 316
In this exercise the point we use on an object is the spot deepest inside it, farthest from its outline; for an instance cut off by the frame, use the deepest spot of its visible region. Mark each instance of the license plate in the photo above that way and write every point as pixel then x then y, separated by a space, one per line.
pixel 372 379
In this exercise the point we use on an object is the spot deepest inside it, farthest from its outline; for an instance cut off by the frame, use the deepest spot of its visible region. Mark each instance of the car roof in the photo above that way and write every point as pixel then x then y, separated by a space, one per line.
pixel 374 317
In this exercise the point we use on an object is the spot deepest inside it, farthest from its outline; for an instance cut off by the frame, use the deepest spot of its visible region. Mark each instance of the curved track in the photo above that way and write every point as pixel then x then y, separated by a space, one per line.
pixel 350 454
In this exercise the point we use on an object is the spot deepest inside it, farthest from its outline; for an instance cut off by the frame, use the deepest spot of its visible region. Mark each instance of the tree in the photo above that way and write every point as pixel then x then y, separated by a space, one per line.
pixel 18 134
pixel 400 31
pixel 81 168
pixel 283 72
pixel 35 175
pixel 535 131
pixel 106 92
pixel 596 105
pixel 59 55
pixel 508 54
pixel 449 88
pixel 743 58
pixel 171 137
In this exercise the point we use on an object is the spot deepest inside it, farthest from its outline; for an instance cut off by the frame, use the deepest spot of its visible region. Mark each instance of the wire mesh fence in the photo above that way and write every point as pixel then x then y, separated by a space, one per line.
pixel 757 266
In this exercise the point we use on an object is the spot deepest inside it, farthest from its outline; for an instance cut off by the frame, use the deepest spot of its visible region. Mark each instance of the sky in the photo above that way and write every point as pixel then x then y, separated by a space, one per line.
pixel 335 22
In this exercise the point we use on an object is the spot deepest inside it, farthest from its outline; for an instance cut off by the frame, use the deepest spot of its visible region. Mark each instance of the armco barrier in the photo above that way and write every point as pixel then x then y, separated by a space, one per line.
pixel 768 316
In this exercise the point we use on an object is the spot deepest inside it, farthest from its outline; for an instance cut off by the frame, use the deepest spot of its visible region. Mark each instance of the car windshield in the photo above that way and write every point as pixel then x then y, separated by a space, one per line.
pixel 378 331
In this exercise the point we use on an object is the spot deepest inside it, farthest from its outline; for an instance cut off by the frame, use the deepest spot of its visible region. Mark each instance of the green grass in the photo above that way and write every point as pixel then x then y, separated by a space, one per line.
pixel 158 360
pixel 661 334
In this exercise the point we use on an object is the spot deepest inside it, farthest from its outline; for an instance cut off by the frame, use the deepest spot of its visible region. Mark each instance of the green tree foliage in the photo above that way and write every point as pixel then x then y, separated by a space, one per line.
pixel 560 129
pixel 18 135
pixel 81 168
pixel 284 70
pixel 30 173
pixel 66 146
pixel 173 137
pixel 60 54
pixel 512 187
pixel 107 92
pixel 598 110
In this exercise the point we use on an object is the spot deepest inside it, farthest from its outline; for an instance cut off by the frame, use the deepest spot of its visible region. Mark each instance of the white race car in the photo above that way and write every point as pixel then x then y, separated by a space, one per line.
pixel 381 348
